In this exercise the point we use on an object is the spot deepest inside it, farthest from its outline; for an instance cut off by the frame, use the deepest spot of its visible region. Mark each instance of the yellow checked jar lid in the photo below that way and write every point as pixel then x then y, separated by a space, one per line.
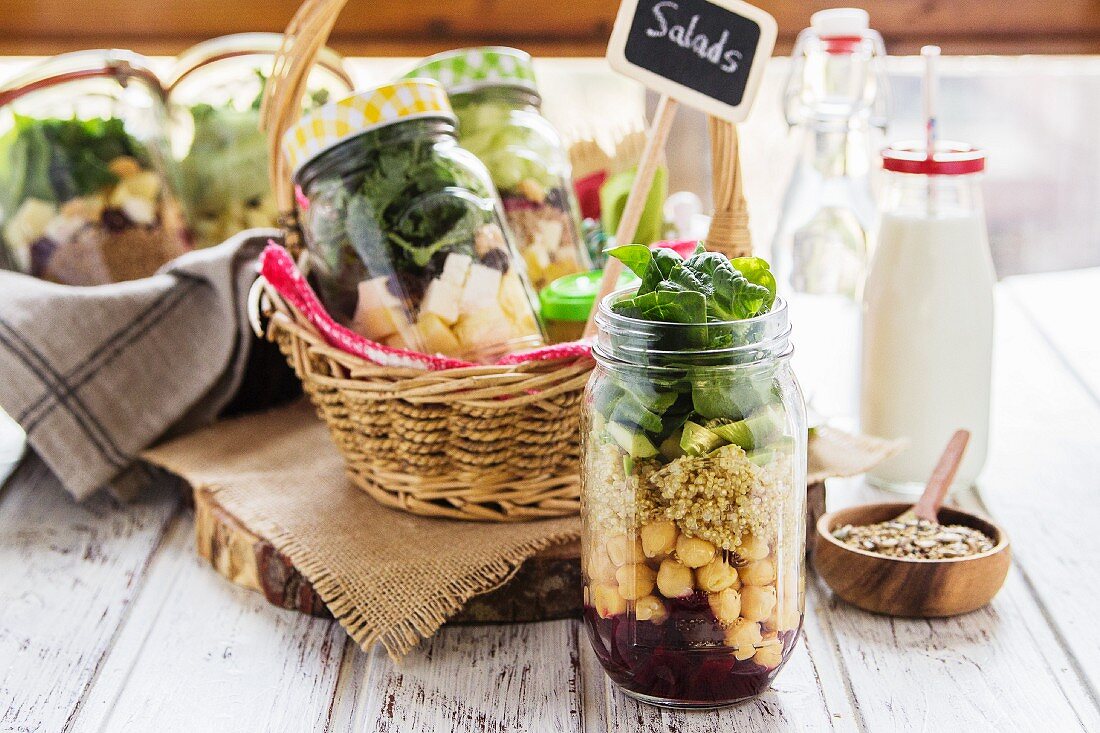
pixel 332 124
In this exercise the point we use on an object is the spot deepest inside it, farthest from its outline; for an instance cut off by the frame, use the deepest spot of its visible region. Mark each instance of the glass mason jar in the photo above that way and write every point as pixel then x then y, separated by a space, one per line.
pixel 404 231
pixel 214 95
pixel 86 180
pixel 497 103
pixel 693 506
pixel 925 376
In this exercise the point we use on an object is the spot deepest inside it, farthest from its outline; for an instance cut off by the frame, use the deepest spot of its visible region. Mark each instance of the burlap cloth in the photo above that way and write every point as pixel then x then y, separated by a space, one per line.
pixel 385 575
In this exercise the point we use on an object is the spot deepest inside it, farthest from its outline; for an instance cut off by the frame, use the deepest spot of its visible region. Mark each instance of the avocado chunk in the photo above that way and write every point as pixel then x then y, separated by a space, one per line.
pixel 670 446
pixel 629 411
pixel 750 432
pixel 698 441
pixel 634 443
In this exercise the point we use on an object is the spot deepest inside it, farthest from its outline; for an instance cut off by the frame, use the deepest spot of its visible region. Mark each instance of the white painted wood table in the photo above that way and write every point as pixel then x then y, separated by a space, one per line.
pixel 108 621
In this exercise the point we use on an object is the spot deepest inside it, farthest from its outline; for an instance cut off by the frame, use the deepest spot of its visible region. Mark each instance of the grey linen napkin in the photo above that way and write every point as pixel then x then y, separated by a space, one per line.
pixel 95 375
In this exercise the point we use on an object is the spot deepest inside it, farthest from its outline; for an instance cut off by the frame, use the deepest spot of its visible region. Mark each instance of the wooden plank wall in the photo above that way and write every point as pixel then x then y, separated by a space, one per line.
pixel 558 28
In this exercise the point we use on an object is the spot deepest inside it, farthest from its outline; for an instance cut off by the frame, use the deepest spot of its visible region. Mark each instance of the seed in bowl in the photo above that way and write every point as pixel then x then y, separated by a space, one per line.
pixel 915 539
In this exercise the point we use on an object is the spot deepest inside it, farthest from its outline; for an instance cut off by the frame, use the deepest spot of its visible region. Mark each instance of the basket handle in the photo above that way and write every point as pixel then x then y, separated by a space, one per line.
pixel 303 40
pixel 308 33
pixel 729 225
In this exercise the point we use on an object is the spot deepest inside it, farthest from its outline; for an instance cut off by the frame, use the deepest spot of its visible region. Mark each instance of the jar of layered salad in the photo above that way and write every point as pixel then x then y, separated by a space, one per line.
pixel 405 236
pixel 496 100
pixel 86 180
pixel 214 95
pixel 693 482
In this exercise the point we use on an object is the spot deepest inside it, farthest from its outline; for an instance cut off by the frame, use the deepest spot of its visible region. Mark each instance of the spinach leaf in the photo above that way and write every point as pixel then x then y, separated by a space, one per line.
pixel 756 270
pixel 665 305
pixel 672 288
pixel 637 257
pixel 664 262
pixel 733 296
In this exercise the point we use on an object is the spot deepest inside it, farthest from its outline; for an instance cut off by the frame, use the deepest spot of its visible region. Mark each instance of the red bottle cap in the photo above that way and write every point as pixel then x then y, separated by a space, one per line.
pixel 950 159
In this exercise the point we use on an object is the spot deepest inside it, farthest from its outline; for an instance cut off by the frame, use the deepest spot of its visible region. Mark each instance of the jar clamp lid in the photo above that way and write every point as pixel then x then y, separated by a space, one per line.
pixel 239 45
pixel 468 69
pixel 949 159
pixel 124 66
pixel 332 124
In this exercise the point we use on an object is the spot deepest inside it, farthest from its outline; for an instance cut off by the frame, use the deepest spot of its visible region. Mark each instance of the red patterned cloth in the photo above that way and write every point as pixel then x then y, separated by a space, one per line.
pixel 278 268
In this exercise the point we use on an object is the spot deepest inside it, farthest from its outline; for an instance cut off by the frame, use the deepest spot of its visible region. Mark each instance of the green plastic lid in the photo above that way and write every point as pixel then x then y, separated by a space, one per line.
pixel 466 69
pixel 570 298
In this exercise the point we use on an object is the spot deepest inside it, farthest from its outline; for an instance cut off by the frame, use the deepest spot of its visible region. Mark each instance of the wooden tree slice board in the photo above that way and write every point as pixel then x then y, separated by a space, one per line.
pixel 546 587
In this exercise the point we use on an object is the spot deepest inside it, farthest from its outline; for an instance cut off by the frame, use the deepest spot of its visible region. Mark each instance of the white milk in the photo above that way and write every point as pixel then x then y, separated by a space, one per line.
pixel 928 343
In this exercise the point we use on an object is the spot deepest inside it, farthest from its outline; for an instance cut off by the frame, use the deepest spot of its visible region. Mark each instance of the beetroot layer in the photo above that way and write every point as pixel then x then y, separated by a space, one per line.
pixel 680 660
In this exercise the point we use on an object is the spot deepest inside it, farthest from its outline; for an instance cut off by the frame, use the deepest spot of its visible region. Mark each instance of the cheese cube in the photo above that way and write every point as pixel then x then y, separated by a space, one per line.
pixel 482 286
pixel 484 327
pixel 549 234
pixel 378 313
pixel 435 336
pixel 376 291
pixel 374 321
pixel 64 228
pixel 513 298
pixel 145 185
pixel 537 259
pixel 455 268
pixel 139 210
pixel 442 299
pixel 27 225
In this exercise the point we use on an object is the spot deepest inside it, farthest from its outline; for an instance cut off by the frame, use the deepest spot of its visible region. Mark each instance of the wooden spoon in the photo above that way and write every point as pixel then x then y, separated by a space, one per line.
pixel 928 506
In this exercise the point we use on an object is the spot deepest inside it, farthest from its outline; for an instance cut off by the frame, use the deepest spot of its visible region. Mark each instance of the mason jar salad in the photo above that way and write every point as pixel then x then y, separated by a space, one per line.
pixel 498 106
pixel 404 231
pixel 214 93
pixel 86 184
pixel 693 481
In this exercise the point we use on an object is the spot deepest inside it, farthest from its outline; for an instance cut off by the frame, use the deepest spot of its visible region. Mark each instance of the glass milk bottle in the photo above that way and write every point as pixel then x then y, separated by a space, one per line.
pixel 836 95
pixel 928 314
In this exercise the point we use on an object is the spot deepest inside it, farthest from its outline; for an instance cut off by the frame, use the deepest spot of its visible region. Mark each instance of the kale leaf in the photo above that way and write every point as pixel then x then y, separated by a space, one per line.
pixel 421 201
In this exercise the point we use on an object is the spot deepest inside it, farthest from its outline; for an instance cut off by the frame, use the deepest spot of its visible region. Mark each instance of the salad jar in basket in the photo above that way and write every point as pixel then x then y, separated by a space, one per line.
pixel 693 482
pixel 496 100
pixel 404 232
pixel 86 181
pixel 214 95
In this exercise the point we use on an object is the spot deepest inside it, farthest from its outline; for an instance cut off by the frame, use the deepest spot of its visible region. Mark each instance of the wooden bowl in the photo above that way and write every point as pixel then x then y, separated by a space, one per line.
pixel 913 588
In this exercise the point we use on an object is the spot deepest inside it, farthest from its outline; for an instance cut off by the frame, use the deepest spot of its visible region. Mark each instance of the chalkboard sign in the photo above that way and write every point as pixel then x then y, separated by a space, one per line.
pixel 708 54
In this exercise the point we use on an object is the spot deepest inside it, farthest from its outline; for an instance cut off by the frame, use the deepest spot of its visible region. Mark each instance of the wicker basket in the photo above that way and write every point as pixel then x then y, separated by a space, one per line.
pixel 497 443
pixel 486 442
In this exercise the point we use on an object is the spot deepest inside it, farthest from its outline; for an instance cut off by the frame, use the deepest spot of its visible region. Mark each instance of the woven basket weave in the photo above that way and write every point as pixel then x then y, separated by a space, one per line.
pixel 499 443
pixel 485 442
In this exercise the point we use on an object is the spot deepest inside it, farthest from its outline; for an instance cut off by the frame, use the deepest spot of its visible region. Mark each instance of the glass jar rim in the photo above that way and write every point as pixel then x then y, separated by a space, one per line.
pixel 458 95
pixel 69 67
pixel 766 338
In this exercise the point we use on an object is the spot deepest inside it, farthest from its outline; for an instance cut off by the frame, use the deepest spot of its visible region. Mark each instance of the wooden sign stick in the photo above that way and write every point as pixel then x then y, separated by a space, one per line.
pixel 636 200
